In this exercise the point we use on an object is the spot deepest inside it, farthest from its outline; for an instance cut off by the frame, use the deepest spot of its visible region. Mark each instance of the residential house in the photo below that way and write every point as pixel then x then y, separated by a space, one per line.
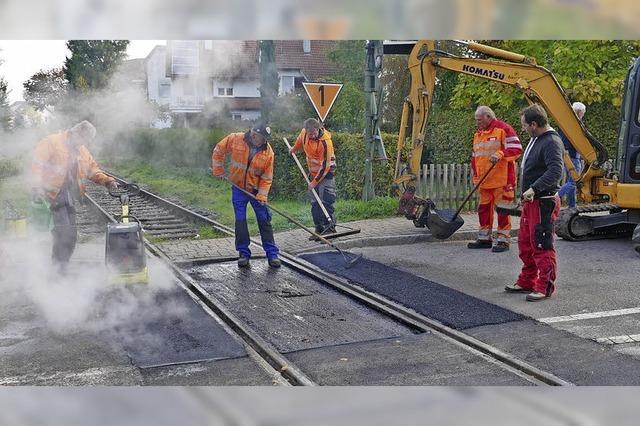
pixel 196 77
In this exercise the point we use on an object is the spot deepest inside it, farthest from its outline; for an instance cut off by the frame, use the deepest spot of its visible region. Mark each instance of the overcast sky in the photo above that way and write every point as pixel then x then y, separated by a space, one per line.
pixel 23 58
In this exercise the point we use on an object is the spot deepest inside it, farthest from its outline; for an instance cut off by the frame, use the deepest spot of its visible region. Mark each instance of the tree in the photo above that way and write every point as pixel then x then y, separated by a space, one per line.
pixel 45 88
pixel 268 78
pixel 348 112
pixel 5 110
pixel 395 82
pixel 92 62
pixel 591 71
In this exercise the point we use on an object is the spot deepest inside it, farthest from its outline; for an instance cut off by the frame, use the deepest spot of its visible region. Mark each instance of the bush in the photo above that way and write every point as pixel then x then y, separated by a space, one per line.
pixel 193 147
pixel 9 168
pixel 350 151
pixel 176 147
pixel 603 122
pixel 449 136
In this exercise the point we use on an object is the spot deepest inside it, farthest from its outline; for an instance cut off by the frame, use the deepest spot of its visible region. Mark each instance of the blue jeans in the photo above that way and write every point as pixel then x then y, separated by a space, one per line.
pixel 240 200
pixel 569 188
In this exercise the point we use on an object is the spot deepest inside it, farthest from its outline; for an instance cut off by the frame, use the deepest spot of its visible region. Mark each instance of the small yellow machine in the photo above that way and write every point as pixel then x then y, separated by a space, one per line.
pixel 124 249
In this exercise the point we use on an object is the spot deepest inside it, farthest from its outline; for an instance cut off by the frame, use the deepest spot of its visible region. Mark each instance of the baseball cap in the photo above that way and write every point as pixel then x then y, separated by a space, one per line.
pixel 262 129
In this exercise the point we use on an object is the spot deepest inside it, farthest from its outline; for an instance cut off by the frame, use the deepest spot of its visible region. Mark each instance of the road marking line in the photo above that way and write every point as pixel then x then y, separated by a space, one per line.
pixel 617 340
pixel 591 315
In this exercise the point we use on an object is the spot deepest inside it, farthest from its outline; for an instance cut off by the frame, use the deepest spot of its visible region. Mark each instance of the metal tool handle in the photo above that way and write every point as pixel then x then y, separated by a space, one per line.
pixel 475 188
pixel 313 190
pixel 286 216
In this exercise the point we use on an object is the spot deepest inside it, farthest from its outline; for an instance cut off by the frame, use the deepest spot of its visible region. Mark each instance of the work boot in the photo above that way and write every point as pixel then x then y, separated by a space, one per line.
pixel 500 247
pixel 516 288
pixel 274 262
pixel 480 244
pixel 534 296
pixel 243 261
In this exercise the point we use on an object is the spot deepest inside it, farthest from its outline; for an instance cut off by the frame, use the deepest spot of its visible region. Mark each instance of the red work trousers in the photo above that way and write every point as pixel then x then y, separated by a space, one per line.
pixel 539 264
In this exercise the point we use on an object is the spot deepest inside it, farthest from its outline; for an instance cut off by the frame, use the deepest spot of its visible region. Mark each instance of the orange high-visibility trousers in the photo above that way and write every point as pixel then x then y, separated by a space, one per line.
pixel 489 197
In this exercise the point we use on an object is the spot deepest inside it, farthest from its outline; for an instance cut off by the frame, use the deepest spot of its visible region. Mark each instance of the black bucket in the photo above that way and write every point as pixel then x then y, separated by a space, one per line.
pixel 443 223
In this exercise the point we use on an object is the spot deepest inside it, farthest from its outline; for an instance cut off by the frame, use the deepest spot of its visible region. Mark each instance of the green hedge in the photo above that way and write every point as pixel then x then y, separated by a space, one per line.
pixel 9 168
pixel 449 133
pixel 177 147
pixel 350 151
pixel 192 148
pixel 448 140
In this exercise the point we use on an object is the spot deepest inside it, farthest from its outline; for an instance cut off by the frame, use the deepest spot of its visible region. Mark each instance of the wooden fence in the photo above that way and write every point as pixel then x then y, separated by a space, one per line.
pixel 448 184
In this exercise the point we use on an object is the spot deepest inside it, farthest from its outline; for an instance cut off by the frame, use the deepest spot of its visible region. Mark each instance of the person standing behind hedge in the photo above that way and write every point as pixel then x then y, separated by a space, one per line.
pixel 321 161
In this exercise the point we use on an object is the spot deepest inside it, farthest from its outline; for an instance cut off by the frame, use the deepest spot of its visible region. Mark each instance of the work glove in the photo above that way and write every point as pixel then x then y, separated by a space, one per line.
pixel 312 185
pixel 528 194
pixel 495 157
pixel 261 199
pixel 292 151
pixel 113 185
pixel 219 176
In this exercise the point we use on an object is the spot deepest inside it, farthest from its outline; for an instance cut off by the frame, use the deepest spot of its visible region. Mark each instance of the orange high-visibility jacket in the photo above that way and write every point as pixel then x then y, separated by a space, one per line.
pixel 252 174
pixel 499 138
pixel 51 164
pixel 321 159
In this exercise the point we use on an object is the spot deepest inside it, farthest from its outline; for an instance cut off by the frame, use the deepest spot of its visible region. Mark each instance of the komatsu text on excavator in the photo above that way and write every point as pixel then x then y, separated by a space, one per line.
pixel 609 190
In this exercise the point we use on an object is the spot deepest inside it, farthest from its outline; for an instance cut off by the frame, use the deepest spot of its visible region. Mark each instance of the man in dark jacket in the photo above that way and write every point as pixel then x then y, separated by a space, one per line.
pixel 542 165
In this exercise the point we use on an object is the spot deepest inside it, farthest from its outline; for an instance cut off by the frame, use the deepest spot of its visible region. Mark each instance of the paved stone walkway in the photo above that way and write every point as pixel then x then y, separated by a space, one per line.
pixel 374 232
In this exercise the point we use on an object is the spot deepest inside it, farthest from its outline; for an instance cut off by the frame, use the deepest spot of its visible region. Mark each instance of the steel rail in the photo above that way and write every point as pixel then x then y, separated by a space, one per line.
pixel 264 349
pixel 385 306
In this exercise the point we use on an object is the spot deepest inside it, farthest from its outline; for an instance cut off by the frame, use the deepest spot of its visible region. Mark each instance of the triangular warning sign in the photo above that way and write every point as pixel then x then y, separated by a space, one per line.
pixel 322 96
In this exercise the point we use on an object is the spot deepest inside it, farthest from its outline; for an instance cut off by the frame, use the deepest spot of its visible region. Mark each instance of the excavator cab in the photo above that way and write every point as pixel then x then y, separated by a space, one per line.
pixel 628 158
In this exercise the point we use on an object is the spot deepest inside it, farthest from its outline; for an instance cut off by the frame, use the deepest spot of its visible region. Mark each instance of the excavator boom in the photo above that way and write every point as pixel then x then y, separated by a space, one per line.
pixel 537 84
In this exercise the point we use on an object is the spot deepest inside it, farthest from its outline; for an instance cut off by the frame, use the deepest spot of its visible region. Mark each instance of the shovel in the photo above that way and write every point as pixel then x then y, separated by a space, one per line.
pixel 349 262
pixel 443 223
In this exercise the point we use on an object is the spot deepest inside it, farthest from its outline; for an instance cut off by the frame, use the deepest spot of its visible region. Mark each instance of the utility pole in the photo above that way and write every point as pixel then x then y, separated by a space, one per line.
pixel 374 149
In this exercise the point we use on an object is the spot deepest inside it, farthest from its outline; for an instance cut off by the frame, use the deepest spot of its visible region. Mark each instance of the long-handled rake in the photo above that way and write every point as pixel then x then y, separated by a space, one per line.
pixel 348 262
pixel 330 221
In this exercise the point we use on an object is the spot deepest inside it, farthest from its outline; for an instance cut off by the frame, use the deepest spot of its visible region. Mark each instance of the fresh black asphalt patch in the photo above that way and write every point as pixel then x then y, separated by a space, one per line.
pixel 451 307
pixel 170 328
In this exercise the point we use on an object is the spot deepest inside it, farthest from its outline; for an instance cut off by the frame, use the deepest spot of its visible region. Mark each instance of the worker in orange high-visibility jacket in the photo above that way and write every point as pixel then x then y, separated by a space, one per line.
pixel 494 142
pixel 61 166
pixel 321 162
pixel 251 169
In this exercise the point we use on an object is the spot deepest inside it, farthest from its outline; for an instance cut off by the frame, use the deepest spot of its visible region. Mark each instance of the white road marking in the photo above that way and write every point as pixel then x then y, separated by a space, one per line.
pixel 616 340
pixel 591 315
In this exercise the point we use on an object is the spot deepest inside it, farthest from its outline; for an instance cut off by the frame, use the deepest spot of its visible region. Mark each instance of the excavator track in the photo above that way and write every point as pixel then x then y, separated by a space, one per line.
pixel 571 225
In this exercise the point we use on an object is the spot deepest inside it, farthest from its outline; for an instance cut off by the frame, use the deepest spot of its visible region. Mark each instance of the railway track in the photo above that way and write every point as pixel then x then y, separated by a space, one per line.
pixel 155 212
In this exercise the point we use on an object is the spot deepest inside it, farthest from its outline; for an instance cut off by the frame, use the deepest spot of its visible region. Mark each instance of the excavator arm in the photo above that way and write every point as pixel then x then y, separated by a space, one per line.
pixel 615 196
pixel 519 71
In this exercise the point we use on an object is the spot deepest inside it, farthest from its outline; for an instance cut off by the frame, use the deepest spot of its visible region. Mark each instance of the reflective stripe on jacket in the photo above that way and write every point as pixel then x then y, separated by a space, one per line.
pixel 498 138
pixel 51 162
pixel 254 175
pixel 321 159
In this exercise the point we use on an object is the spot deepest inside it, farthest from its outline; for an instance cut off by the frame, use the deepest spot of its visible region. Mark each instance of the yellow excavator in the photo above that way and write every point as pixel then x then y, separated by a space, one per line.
pixel 609 191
